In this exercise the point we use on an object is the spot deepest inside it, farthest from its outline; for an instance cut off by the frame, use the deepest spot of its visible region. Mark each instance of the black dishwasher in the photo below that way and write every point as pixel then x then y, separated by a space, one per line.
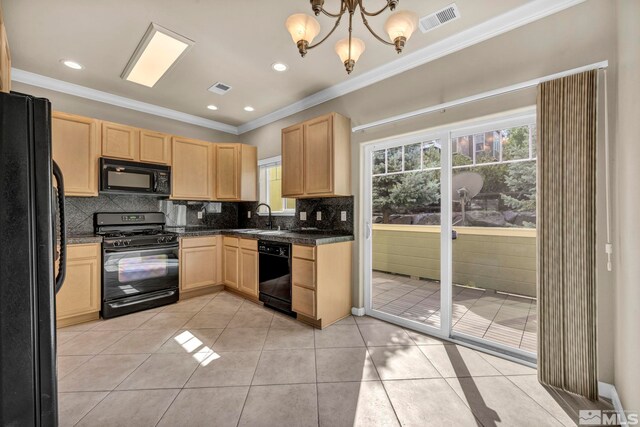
pixel 275 275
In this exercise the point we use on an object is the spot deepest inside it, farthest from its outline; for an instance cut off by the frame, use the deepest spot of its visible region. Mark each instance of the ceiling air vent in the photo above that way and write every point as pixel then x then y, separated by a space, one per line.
pixel 220 88
pixel 448 14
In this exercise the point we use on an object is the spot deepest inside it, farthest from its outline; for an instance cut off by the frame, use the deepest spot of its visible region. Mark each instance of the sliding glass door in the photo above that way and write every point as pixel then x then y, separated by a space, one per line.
pixel 404 223
pixel 450 232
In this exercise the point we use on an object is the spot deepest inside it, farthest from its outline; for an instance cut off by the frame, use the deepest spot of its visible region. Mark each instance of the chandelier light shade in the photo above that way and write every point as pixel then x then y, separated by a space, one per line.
pixel 349 52
pixel 400 26
pixel 304 28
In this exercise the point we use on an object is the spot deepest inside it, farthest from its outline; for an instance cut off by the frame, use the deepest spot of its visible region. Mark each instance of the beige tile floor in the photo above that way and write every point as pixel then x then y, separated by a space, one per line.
pixel 504 319
pixel 219 360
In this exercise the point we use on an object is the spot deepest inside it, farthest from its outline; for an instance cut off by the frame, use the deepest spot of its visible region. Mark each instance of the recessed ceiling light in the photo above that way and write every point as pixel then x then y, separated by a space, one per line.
pixel 72 64
pixel 158 51
pixel 279 66
pixel 249 108
pixel 212 107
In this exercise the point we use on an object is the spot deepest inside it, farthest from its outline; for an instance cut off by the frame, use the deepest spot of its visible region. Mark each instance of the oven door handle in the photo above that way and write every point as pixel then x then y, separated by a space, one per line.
pixel 133 249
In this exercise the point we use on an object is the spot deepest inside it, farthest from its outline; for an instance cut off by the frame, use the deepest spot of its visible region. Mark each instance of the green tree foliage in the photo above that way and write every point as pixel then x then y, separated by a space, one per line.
pixel 520 177
pixel 408 192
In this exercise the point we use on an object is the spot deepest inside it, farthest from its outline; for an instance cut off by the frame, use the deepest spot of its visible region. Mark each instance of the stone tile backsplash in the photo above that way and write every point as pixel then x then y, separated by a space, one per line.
pixel 79 212
pixel 330 207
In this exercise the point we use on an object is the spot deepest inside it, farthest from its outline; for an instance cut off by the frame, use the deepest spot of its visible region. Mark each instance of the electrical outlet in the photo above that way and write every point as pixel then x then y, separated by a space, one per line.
pixel 200 215
pixel 343 215
pixel 303 216
pixel 249 214
pixel 319 216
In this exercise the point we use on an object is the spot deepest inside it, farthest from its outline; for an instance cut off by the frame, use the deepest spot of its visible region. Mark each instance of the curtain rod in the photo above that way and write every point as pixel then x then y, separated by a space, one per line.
pixel 480 96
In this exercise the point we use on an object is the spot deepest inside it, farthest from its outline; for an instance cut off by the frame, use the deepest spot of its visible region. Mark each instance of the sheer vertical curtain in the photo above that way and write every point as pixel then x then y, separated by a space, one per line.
pixel 566 233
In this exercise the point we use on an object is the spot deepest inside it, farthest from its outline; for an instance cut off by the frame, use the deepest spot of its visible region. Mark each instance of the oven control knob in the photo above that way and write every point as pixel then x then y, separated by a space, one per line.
pixel 161 239
pixel 126 242
pixel 117 243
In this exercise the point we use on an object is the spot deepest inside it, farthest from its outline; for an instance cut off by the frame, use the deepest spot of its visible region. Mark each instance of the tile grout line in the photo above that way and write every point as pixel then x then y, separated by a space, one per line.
pixel 254 370
pixel 535 401
pixel 315 361
pixel 386 392
pixel 196 367
pixel 101 353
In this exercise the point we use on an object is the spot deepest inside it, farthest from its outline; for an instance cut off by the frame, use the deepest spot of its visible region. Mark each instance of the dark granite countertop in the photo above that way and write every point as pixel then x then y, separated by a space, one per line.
pixel 78 239
pixel 301 237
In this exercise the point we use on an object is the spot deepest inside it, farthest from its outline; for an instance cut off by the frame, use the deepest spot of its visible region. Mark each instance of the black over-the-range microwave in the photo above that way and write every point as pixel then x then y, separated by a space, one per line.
pixel 120 176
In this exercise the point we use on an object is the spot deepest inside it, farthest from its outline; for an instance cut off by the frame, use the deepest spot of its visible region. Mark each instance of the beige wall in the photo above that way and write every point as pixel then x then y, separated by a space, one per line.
pixel 578 36
pixel 627 206
pixel 86 107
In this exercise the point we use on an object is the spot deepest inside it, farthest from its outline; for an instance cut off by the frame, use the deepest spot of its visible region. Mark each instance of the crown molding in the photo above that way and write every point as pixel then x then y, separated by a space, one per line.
pixel 45 82
pixel 518 17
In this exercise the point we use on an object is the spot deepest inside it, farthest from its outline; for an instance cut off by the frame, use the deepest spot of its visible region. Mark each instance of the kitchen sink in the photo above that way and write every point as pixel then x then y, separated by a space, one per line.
pixel 270 232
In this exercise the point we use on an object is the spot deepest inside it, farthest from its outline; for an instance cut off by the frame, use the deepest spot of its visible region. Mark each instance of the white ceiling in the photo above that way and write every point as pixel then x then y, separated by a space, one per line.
pixel 235 42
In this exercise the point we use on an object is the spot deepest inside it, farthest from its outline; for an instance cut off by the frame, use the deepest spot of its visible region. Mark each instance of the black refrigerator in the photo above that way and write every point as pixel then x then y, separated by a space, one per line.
pixel 32 240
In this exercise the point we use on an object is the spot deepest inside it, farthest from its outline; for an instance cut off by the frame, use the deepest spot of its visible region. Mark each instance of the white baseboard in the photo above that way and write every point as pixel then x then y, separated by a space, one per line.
pixel 357 311
pixel 609 391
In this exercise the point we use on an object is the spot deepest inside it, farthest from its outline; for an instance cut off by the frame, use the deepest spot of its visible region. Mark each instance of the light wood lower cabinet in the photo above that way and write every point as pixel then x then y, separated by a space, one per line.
pixel 199 261
pixel 231 257
pixel 79 298
pixel 76 149
pixel 321 280
pixel 248 283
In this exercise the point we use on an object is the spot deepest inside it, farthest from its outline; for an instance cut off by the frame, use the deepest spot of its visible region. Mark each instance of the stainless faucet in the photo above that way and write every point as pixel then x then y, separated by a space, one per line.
pixel 270 222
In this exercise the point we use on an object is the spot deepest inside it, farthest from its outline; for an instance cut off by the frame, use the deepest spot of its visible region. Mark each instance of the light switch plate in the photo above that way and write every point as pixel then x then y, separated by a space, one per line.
pixel 249 214
pixel 200 215
pixel 343 215
pixel 319 216
pixel 303 216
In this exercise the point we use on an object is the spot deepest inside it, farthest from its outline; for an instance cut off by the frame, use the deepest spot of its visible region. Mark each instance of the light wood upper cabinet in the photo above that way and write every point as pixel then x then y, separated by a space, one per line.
pixel 198 262
pixel 80 292
pixel 5 58
pixel 155 147
pixel 192 172
pixel 292 161
pixel 120 141
pixel 75 146
pixel 248 282
pixel 236 172
pixel 316 158
pixel 227 171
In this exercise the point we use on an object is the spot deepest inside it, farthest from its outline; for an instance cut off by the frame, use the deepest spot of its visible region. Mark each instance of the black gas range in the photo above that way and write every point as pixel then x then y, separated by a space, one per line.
pixel 139 262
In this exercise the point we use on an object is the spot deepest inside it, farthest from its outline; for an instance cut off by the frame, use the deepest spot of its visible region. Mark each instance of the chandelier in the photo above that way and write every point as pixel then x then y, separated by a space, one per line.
pixel 304 28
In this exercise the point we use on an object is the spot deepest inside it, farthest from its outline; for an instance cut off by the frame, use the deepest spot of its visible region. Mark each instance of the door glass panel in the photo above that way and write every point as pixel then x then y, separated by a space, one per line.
pixel 405 239
pixel 494 254
pixel 142 268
